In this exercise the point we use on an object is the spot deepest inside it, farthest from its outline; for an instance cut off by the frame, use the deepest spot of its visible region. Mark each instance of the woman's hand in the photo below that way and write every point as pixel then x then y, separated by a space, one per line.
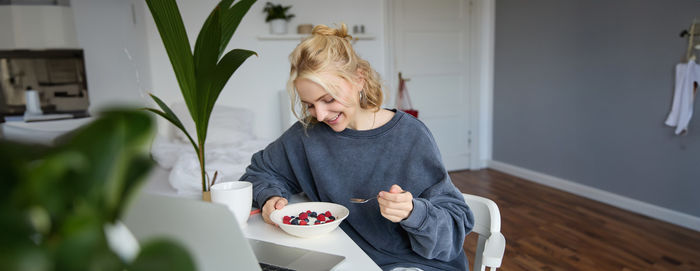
pixel 394 205
pixel 273 203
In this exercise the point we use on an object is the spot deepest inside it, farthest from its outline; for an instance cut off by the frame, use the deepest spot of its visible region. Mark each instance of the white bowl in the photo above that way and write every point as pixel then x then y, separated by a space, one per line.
pixel 308 231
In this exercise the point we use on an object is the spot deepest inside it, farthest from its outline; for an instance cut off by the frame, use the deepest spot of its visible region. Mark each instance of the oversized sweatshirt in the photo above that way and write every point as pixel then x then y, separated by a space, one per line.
pixel 334 166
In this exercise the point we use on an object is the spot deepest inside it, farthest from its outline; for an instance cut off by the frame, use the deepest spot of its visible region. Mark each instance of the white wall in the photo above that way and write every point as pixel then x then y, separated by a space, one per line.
pixel 257 82
pixel 37 27
pixel 105 29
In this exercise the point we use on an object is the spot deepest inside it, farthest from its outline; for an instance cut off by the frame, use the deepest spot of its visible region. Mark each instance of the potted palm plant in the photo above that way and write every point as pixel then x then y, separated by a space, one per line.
pixel 277 17
pixel 203 74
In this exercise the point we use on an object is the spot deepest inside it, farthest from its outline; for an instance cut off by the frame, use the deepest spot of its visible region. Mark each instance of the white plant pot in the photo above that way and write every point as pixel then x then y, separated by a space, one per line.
pixel 278 26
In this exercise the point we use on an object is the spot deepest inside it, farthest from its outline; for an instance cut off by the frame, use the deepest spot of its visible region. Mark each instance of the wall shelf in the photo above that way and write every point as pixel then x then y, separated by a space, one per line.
pixel 301 36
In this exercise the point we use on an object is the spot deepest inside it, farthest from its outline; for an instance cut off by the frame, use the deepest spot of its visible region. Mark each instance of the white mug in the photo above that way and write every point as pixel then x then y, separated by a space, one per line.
pixel 237 196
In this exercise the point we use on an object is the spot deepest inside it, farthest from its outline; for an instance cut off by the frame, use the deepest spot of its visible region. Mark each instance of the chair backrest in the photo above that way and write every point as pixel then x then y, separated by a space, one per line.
pixel 487 223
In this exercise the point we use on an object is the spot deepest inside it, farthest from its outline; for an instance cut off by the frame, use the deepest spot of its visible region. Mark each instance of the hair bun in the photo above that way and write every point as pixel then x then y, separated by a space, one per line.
pixel 323 30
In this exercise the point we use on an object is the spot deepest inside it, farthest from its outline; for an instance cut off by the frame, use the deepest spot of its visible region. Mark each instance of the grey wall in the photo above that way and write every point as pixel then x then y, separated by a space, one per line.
pixel 581 91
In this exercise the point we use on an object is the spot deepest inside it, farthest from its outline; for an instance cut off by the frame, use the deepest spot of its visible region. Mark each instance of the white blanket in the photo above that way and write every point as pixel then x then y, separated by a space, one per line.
pixel 230 145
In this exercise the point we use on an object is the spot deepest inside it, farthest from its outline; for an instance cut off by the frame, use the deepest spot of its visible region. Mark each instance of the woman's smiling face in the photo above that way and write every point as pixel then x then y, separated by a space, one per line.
pixel 324 107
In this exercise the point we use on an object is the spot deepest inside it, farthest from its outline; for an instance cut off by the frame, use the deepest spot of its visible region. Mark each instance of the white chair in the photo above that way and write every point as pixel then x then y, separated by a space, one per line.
pixel 487 223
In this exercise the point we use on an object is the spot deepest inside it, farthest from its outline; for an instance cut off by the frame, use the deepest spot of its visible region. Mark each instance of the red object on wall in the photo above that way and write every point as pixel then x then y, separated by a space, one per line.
pixel 412 112
pixel 403 102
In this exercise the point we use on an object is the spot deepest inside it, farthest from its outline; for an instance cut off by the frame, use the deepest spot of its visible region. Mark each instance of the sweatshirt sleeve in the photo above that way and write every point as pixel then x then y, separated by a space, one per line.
pixel 439 222
pixel 440 218
pixel 270 172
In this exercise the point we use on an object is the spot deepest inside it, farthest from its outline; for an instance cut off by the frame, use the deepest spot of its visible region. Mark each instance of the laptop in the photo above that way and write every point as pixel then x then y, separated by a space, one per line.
pixel 213 237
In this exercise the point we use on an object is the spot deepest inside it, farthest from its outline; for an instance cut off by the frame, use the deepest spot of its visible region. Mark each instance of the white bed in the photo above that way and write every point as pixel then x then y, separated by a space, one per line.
pixel 230 145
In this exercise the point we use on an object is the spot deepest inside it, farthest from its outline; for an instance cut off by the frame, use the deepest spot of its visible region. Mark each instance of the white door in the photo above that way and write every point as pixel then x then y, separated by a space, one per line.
pixel 429 44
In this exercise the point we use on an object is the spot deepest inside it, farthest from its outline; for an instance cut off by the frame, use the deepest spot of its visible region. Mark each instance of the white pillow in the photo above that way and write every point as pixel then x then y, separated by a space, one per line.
pixel 227 124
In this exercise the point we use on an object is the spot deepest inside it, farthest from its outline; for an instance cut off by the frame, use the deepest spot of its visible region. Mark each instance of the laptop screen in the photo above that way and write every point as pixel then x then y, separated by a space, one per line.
pixel 213 237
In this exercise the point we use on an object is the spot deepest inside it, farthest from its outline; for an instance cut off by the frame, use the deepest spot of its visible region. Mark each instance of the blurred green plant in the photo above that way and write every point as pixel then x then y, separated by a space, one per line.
pixel 202 75
pixel 56 201
pixel 277 11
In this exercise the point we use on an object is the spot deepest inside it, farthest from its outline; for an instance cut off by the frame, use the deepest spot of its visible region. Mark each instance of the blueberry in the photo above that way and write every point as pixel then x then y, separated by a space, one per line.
pixel 313 214
pixel 331 217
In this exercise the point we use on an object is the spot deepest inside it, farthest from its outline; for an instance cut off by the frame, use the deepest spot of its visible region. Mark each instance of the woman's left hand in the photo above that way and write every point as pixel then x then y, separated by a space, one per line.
pixel 395 205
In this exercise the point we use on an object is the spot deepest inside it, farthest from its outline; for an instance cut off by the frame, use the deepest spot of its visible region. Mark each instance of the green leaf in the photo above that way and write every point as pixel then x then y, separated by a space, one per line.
pixel 170 116
pixel 226 67
pixel 87 182
pixel 231 19
pixel 13 155
pixel 52 180
pixel 206 56
pixel 136 172
pixel 209 38
pixel 172 31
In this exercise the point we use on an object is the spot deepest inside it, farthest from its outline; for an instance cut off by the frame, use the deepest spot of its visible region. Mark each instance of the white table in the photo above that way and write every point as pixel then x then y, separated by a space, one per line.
pixel 335 242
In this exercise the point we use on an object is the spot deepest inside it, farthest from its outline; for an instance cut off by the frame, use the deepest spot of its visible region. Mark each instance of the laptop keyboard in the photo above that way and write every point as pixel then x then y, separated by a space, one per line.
pixel 269 267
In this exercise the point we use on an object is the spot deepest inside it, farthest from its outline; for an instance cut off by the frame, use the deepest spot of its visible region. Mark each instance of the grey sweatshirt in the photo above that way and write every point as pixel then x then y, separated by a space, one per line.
pixel 336 166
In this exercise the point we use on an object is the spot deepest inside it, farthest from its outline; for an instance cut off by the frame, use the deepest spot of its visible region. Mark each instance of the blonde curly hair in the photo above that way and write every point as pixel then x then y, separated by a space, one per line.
pixel 329 50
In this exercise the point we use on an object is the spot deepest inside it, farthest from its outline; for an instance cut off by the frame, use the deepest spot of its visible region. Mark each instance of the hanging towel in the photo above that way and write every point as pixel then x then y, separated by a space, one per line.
pixel 687 78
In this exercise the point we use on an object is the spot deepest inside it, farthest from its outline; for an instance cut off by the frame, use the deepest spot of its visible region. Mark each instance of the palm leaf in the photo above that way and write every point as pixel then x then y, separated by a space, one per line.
pixel 205 56
pixel 170 116
pixel 226 67
pixel 172 31
pixel 231 19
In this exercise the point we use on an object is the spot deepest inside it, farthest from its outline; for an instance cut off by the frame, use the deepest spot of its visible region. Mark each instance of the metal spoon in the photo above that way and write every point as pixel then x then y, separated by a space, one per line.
pixel 359 200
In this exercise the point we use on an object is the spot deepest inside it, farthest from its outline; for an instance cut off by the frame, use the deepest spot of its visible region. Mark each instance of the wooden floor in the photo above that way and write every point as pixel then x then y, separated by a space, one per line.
pixel 548 229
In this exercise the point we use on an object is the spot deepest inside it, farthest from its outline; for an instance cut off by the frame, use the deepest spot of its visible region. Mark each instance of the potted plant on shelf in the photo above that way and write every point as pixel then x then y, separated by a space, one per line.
pixel 277 17
pixel 203 74
pixel 59 205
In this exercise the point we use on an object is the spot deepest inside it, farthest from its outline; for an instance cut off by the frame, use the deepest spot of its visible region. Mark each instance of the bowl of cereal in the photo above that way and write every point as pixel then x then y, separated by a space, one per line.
pixel 309 219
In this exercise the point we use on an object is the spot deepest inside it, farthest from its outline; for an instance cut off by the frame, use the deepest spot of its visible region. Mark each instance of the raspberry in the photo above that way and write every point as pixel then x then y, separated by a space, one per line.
pixel 304 218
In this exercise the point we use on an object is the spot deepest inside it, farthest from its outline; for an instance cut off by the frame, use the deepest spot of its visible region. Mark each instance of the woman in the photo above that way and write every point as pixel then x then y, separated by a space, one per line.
pixel 345 145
